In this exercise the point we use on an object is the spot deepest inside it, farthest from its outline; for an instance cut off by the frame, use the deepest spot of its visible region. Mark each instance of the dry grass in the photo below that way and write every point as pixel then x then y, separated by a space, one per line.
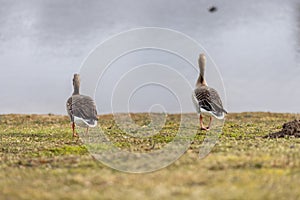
pixel 40 160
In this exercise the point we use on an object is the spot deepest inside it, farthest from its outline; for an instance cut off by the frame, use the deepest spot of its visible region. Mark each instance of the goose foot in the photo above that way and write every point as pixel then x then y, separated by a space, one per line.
pixel 75 135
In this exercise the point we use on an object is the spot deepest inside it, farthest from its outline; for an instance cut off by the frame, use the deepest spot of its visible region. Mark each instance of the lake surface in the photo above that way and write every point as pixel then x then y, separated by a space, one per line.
pixel 254 44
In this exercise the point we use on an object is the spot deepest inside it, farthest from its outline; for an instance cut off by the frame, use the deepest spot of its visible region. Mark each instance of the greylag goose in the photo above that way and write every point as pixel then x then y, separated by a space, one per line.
pixel 81 109
pixel 206 99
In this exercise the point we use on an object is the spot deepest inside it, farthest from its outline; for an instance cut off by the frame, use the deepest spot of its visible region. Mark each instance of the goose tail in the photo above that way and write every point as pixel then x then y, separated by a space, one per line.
pixel 84 122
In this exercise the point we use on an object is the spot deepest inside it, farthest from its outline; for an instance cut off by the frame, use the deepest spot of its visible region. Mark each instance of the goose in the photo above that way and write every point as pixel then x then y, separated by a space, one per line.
pixel 206 99
pixel 81 109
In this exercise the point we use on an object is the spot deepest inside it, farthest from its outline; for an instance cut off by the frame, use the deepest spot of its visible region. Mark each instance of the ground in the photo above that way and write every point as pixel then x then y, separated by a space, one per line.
pixel 40 160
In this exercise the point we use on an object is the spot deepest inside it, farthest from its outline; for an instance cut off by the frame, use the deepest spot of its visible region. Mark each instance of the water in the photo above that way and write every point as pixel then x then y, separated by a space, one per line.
pixel 255 44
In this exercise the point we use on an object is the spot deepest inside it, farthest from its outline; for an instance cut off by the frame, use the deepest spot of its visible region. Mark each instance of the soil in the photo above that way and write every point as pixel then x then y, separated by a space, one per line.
pixel 288 129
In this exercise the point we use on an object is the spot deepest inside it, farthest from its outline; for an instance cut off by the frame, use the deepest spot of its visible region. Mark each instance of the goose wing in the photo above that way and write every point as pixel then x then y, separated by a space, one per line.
pixel 209 100
pixel 83 107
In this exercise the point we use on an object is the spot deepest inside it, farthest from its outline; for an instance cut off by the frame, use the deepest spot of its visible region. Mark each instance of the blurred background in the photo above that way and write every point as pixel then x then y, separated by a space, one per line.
pixel 255 45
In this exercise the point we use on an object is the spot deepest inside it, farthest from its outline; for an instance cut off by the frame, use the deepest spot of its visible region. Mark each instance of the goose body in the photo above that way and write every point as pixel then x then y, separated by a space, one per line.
pixel 81 109
pixel 206 99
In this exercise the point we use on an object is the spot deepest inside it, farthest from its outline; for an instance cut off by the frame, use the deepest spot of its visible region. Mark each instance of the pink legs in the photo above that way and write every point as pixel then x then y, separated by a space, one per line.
pixel 74 132
pixel 209 124
pixel 201 123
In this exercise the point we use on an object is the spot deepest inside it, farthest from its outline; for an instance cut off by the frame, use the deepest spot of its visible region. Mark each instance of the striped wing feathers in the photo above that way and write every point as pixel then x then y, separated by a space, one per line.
pixel 209 100
pixel 82 107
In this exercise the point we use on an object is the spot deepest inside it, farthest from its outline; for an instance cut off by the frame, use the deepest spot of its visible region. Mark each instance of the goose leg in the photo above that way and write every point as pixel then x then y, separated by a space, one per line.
pixel 210 121
pixel 87 131
pixel 73 128
pixel 201 123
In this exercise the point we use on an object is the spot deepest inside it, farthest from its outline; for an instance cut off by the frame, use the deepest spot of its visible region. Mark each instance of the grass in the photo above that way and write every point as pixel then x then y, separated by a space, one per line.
pixel 40 160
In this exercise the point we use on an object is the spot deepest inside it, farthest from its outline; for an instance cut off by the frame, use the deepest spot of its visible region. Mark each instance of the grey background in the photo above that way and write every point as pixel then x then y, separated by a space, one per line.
pixel 255 45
